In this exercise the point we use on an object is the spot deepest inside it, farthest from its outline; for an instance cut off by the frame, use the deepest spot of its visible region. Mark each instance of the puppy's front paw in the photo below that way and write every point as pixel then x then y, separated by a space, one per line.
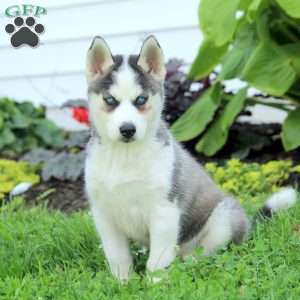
pixel 161 261
pixel 157 276
pixel 121 272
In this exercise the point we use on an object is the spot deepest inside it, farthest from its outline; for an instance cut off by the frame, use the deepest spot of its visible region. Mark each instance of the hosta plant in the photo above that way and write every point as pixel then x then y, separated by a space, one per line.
pixel 258 42
pixel 24 127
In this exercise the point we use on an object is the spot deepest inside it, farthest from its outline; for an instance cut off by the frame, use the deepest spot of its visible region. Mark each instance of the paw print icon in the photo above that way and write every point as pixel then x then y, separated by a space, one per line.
pixel 24 32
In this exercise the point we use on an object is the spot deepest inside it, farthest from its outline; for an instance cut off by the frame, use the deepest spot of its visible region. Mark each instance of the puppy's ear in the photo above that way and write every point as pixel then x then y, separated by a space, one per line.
pixel 99 59
pixel 151 58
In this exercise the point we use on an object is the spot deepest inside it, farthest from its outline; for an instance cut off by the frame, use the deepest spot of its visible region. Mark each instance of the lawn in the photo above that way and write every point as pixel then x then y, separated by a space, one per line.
pixel 49 255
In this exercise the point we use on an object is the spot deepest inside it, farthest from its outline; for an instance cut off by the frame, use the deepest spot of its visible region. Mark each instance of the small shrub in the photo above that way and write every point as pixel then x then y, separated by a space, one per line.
pixel 12 173
pixel 24 127
pixel 248 181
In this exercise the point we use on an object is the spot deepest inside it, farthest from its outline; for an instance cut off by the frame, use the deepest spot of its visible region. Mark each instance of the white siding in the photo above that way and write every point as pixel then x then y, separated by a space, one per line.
pixel 54 72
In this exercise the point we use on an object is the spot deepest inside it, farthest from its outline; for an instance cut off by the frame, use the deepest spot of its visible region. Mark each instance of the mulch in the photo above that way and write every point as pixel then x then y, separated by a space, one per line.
pixel 66 196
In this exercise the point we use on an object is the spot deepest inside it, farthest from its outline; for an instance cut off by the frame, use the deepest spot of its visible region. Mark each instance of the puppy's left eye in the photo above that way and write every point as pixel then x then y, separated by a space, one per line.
pixel 140 100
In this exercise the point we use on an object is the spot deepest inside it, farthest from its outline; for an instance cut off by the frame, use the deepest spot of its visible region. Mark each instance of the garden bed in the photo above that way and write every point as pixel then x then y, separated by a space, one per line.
pixel 69 195
pixel 62 186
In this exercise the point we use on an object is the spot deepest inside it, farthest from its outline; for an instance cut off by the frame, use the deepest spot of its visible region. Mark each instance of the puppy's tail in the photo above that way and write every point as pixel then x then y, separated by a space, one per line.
pixel 279 201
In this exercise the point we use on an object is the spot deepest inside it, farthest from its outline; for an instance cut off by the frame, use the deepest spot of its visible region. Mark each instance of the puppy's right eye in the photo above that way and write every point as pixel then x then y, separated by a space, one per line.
pixel 111 101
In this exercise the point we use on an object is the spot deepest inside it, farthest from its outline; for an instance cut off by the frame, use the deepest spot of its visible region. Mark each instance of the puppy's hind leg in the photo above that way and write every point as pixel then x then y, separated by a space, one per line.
pixel 228 222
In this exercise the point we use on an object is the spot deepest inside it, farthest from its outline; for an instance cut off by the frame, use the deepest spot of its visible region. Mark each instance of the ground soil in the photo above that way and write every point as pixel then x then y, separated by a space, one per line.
pixel 67 196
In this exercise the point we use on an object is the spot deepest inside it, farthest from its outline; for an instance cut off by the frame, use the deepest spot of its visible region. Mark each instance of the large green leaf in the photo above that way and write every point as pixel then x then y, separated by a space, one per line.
pixel 293 50
pixel 196 118
pixel 48 132
pixel 291 7
pixel 1 122
pixel 8 107
pixel 30 142
pixel 244 4
pixel 213 139
pixel 217 20
pixel 19 121
pixel 216 136
pixel 233 108
pixel 17 146
pixel 255 8
pixel 291 130
pixel 6 137
pixel 294 91
pixel 269 70
pixel 255 5
pixel 27 108
pixel 207 58
pixel 235 60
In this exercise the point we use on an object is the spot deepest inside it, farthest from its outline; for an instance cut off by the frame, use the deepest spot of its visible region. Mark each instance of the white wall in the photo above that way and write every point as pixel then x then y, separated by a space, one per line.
pixel 54 72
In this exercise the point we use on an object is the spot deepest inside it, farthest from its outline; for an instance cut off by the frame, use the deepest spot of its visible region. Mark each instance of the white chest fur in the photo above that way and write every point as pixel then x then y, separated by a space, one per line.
pixel 127 183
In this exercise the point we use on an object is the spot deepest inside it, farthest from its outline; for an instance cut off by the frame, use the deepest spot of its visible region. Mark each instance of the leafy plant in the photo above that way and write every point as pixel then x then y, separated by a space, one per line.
pixel 24 127
pixel 249 180
pixel 12 173
pixel 62 166
pixel 257 42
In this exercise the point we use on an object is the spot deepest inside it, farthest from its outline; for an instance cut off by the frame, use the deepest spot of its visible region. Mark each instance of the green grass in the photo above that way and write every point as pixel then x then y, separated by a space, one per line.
pixel 48 255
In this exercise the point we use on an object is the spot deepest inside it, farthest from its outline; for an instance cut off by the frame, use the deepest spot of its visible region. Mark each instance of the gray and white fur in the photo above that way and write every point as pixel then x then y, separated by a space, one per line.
pixel 141 184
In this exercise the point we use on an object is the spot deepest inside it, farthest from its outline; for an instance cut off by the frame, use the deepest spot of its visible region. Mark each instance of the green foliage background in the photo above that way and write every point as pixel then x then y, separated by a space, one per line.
pixel 258 42
pixel 24 127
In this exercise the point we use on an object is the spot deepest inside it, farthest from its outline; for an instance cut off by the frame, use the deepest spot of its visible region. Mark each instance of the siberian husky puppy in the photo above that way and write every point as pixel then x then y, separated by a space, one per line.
pixel 141 184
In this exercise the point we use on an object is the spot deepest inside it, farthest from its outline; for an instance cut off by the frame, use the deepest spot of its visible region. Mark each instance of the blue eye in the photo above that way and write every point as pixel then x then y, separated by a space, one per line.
pixel 140 100
pixel 111 101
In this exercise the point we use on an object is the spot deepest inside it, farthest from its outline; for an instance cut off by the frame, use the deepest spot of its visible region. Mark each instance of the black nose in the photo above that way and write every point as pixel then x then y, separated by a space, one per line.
pixel 127 130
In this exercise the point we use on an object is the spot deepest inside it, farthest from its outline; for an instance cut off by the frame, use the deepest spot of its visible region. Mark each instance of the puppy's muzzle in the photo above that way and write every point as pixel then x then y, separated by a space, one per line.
pixel 127 131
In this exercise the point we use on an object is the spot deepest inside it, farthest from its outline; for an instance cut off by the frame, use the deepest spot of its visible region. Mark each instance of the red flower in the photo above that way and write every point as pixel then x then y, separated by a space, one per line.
pixel 81 114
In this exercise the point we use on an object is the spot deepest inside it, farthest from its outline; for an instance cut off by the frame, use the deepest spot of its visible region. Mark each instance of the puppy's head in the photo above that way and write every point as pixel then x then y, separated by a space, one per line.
pixel 125 93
